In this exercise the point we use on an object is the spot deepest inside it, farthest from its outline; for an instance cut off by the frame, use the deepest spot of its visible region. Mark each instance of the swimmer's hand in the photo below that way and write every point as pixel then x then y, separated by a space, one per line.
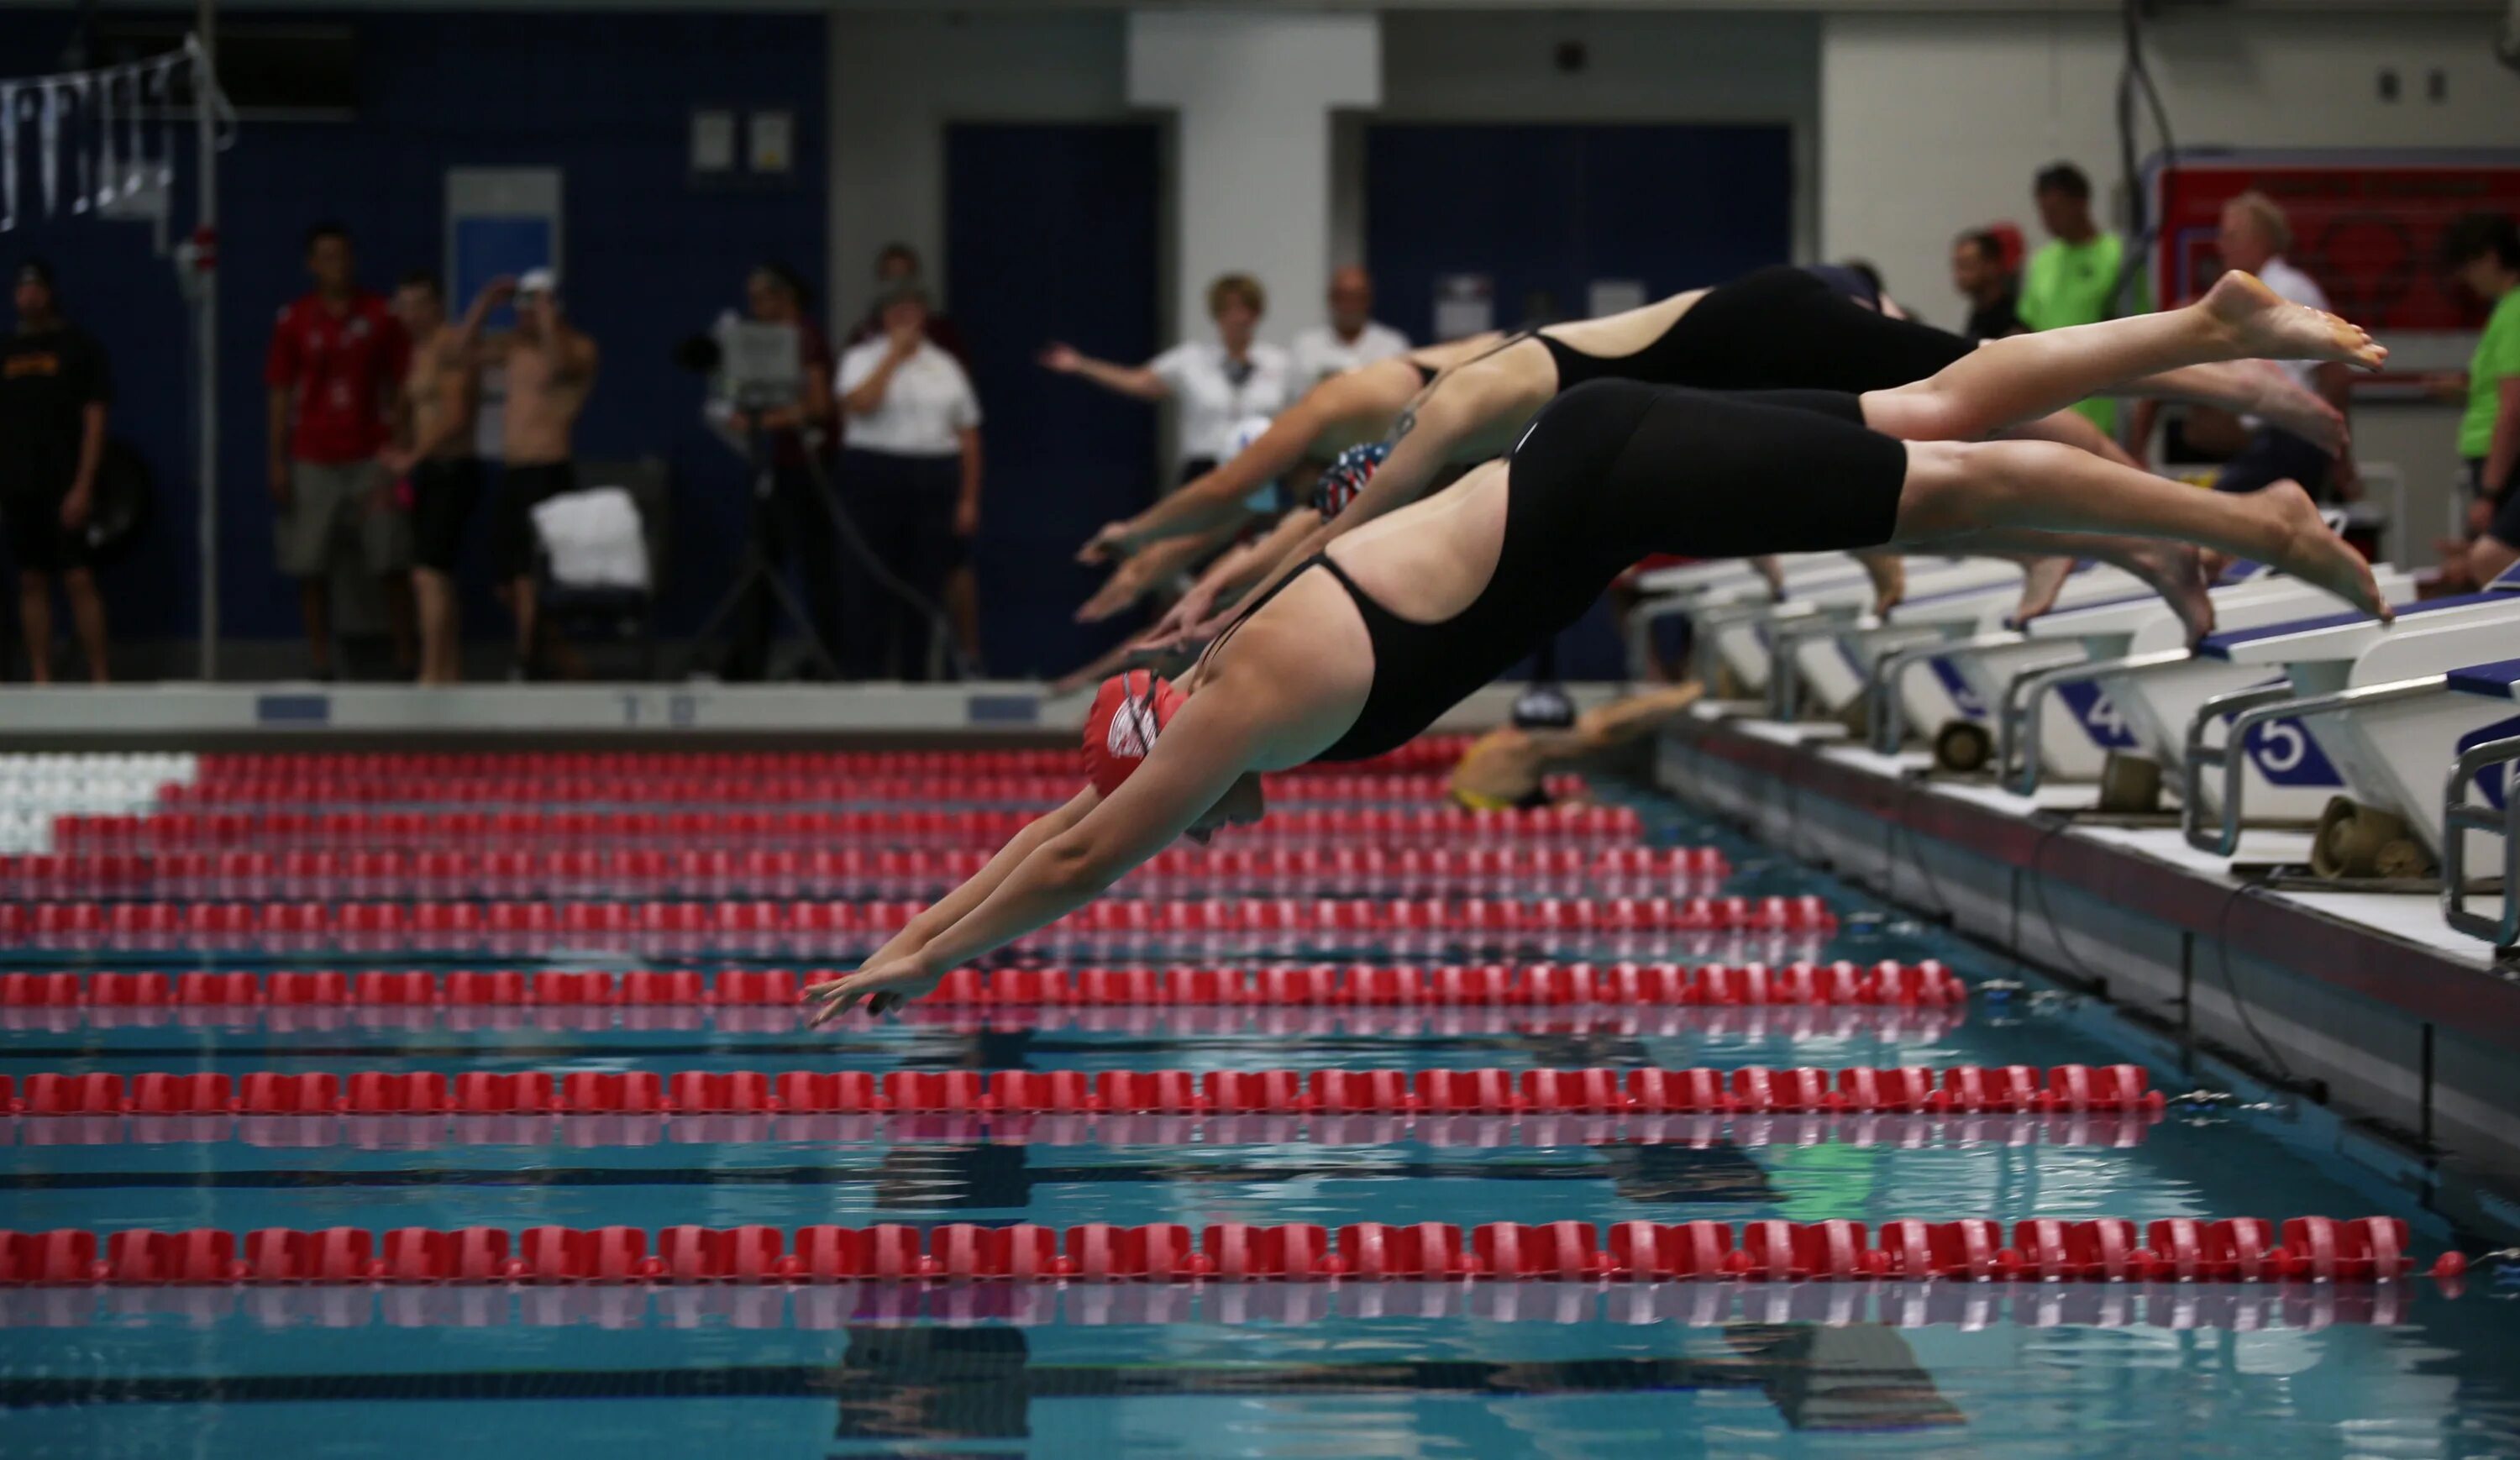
pixel 1167 657
pixel 1111 545
pixel 1206 630
pixel 1129 583
pixel 1193 608
pixel 882 987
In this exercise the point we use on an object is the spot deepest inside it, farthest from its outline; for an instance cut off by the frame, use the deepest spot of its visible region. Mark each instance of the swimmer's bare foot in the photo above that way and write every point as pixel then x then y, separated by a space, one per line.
pixel 2286 407
pixel 2041 579
pixel 2311 550
pixel 2177 572
pixel 2270 327
pixel 1889 575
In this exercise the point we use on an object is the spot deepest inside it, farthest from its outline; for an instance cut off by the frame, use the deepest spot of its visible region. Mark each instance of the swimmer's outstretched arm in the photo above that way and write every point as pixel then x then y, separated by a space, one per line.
pixel 1456 404
pixel 1150 570
pixel 1615 724
pixel 1218 496
pixel 1136 382
pixel 922 929
pixel 1125 654
pixel 1229 580
pixel 1208 744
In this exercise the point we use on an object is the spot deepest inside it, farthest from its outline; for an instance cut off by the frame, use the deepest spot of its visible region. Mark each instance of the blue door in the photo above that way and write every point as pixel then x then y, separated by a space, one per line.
pixel 1542 211
pixel 1050 234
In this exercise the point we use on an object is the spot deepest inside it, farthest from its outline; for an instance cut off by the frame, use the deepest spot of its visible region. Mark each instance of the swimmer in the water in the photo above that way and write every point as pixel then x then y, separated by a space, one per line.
pixel 1372 641
pixel 1509 767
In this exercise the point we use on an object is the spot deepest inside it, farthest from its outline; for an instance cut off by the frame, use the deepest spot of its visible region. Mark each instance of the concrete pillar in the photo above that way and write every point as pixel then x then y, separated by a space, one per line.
pixel 1253 92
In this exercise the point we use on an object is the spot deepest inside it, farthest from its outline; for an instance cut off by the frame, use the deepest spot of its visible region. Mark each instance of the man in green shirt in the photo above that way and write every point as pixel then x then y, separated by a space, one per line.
pixel 2483 250
pixel 2073 279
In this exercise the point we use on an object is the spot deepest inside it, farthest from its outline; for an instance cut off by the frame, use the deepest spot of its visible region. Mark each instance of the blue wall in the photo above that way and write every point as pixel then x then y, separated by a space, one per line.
pixel 650 256
pixel 1050 234
pixel 1550 209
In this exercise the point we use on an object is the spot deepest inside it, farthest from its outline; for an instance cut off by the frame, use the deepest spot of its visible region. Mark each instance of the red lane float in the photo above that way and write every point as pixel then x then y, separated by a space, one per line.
pixel 1035 788
pixel 460 924
pixel 1284 1303
pixel 475 832
pixel 1357 985
pixel 2315 1248
pixel 629 771
pixel 1967 1090
pixel 525 1117
pixel 1890 1024
pixel 252 875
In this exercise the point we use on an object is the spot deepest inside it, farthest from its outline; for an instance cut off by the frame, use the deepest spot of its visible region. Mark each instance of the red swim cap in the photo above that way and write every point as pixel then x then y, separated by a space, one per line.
pixel 1120 730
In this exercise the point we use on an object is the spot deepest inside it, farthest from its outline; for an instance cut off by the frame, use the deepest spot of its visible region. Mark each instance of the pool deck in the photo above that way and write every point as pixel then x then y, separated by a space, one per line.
pixel 2366 1001
pixel 707 714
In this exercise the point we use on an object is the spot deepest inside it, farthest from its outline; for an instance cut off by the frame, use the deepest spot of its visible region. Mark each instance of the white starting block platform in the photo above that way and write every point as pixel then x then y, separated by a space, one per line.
pixel 2371 997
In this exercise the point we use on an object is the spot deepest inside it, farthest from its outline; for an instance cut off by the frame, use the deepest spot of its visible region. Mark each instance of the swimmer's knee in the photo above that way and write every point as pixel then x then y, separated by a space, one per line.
pixel 2489 557
pixel 1923 411
pixel 1908 413
pixel 1962 486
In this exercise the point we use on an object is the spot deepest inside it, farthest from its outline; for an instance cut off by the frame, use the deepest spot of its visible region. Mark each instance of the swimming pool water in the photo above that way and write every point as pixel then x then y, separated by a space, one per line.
pixel 1291 1370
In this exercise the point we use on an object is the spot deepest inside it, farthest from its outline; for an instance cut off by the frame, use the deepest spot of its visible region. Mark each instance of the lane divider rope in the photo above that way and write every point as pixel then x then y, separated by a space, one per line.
pixel 2302 1305
pixel 1302 986
pixel 2239 1249
pixel 1752 1090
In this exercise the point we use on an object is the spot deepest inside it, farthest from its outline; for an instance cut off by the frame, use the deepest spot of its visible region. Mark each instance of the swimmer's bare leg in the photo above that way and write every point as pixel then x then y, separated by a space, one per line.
pixel 1889 575
pixel 2024 376
pixel 1959 489
pixel 2175 571
pixel 2251 388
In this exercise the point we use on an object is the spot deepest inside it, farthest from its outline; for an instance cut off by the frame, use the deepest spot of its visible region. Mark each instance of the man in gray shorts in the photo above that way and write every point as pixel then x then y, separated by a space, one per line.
pixel 336 357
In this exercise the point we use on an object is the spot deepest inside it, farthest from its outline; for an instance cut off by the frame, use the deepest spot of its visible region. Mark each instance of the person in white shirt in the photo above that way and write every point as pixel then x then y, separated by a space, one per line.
pixel 910 474
pixel 1351 339
pixel 2254 234
pixel 1217 381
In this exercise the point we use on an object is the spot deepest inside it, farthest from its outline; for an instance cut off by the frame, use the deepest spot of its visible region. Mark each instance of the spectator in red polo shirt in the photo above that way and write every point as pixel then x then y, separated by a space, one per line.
pixel 336 359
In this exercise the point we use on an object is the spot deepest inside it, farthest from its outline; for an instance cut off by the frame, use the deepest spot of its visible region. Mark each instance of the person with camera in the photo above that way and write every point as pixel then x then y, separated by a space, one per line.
pixel 53 392
pixel 911 471
pixel 794 521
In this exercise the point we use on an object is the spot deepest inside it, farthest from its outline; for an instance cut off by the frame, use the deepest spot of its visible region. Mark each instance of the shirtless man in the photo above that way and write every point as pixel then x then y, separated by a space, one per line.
pixel 434 415
pixel 550 370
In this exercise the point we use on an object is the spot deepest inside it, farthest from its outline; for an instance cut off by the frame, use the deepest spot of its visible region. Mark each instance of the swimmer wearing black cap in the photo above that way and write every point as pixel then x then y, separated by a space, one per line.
pixel 1508 768
pixel 1369 643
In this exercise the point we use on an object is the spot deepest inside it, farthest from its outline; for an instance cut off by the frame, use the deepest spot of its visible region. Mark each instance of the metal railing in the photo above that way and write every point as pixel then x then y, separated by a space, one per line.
pixel 1887 720
pixel 1784 681
pixel 1711 624
pixel 2249 708
pixel 2019 729
pixel 2460 817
